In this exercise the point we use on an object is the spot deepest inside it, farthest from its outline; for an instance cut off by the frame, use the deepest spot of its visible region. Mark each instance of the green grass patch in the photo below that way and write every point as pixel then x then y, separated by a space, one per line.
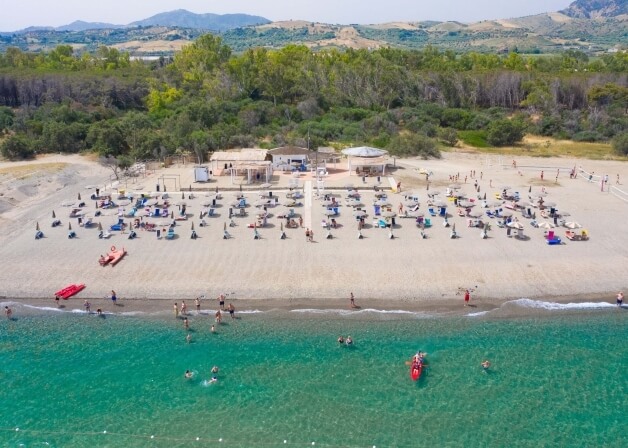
pixel 477 139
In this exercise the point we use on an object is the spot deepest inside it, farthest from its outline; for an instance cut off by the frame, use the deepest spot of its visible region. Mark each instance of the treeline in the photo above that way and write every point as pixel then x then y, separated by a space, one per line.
pixel 206 99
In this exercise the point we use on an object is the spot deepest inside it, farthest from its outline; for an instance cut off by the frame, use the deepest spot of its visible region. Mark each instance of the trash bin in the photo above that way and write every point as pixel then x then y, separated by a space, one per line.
pixel 157 187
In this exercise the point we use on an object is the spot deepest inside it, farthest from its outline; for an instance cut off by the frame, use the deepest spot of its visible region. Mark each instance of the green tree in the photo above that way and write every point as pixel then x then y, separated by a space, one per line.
pixel 620 144
pixel 410 144
pixel 504 132
pixel 107 138
pixel 449 136
pixel 17 147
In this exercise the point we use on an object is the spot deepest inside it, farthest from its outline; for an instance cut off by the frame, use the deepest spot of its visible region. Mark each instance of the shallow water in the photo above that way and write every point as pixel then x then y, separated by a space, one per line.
pixel 555 381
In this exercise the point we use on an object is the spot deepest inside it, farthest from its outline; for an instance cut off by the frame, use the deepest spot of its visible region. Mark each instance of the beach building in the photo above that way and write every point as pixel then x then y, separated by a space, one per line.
pixel 366 160
pixel 249 163
pixel 290 158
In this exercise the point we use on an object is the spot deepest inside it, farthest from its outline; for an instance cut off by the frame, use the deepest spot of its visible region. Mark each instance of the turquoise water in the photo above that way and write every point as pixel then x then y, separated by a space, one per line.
pixel 555 381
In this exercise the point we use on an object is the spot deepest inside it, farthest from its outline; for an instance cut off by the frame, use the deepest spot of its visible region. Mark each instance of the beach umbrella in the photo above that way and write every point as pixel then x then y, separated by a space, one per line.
pixel 466 204
pixel 79 196
pixel 192 225
pixel 37 226
pixel 261 202
pixel 515 225
pixel 549 204
pixel 439 204
pixel 476 214
pixel 563 214
pixel 151 202
pixel 99 227
pixel 124 202
pixel 380 194
pixel 389 214
pixel 69 226
pixel 540 194
pixel 382 202
pixel 546 225
pixel 505 187
pixel 266 185
pixel 506 214
pixel 206 203
pixel 329 213
pixel 434 192
pixel 68 203
pixel 180 203
pixel 416 214
pixel 455 186
pixel 410 203
pixel 359 213
pixel 354 202
pixel 349 186
pixel 53 215
pixel 327 203
pixel 572 225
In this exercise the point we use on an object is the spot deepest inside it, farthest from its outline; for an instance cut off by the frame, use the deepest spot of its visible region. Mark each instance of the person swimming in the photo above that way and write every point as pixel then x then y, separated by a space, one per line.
pixel 485 365
pixel 215 369
pixel 214 379
pixel 188 375
pixel 341 340
pixel 349 341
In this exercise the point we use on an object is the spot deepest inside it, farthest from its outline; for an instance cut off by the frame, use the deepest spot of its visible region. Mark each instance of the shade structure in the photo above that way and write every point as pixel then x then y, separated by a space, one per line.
pixel 359 213
pixel 515 225
pixel 364 151
pixel 546 225
pixel 388 214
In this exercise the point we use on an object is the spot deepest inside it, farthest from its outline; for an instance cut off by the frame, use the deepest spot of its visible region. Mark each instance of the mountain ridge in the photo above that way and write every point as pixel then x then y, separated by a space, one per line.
pixel 592 9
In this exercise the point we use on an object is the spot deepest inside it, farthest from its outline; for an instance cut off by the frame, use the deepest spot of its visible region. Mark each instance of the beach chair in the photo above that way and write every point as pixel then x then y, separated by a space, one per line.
pixel 39 235
pixel 170 234
pixel 584 235
pixel 71 234
pixel 442 212
pixel 431 211
pixel 377 210
pixel 550 235
pixel 428 222
pixel 554 241
pixel 381 224
pixel 571 235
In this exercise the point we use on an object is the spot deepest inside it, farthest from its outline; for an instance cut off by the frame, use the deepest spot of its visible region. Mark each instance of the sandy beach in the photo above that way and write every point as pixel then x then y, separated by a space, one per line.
pixel 406 272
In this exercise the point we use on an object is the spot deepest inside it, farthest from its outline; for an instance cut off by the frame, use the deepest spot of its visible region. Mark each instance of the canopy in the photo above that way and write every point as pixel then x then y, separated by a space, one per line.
pixel 364 151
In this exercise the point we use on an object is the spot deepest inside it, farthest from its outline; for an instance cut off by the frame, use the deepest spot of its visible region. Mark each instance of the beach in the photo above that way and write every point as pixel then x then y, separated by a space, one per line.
pixel 406 270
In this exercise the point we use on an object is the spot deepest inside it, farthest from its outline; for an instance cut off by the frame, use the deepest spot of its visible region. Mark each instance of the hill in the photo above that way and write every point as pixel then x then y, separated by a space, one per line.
pixel 591 9
pixel 79 25
pixel 215 22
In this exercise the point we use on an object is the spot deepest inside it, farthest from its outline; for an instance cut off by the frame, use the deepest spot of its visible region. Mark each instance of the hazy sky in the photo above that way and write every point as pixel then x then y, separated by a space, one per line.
pixel 18 14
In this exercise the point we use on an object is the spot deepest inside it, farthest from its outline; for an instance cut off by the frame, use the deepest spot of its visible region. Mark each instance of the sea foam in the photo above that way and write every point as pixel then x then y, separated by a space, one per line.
pixel 553 306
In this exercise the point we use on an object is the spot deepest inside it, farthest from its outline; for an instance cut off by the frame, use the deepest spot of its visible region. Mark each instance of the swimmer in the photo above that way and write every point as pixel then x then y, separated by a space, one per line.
pixel 215 369
pixel 186 324
pixel 341 340
pixel 188 338
pixel 214 379
pixel 349 341
pixel 213 329
pixel 485 365
pixel 188 375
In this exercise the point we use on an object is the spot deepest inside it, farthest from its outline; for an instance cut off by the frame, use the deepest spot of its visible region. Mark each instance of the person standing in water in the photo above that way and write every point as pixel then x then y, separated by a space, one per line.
pixel 197 302
pixel 467 297
pixel 232 310
pixel 176 310
pixel 8 312
pixel 485 365
pixel 620 298
pixel 87 306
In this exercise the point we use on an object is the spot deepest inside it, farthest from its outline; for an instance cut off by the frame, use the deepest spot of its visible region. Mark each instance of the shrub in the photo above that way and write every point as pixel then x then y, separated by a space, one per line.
pixel 620 144
pixel 413 145
pixel 504 132
pixel 17 147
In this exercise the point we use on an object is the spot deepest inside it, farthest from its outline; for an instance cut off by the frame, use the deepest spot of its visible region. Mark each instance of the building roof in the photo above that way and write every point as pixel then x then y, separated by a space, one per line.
pixel 242 155
pixel 290 151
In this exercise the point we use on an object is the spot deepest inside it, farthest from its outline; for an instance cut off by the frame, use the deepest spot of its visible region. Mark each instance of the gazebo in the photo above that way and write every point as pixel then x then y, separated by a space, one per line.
pixel 366 159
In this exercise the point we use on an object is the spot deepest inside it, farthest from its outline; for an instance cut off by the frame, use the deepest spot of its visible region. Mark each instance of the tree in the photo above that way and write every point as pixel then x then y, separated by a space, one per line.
pixel 504 132
pixel 620 144
pixel 449 136
pixel 116 164
pixel 410 144
pixel 17 147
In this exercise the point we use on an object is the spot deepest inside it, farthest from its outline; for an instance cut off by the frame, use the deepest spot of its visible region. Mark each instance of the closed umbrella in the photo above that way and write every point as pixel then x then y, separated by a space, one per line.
pixel 99 227
pixel 53 215
pixel 171 215
pixel 79 196
pixel 192 225
pixel 37 226
pixel 69 226
pixel 182 195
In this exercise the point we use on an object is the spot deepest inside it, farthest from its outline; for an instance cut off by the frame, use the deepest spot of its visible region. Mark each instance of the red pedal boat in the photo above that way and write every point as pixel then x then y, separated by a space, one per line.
pixel 70 290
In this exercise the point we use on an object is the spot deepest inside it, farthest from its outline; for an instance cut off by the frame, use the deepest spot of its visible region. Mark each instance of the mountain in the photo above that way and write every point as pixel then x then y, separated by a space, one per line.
pixel 215 22
pixel 592 9
pixel 79 25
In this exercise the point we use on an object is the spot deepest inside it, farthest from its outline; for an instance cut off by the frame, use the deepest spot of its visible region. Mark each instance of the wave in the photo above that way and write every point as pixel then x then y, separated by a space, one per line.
pixel 553 306
pixel 250 312
pixel 479 313
pixel 343 312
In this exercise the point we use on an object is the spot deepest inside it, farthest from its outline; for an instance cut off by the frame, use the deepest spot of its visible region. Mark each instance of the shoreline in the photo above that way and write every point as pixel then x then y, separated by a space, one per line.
pixel 368 309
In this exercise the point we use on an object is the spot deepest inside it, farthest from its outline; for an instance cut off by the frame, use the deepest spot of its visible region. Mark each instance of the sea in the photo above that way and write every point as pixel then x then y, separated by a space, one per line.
pixel 558 377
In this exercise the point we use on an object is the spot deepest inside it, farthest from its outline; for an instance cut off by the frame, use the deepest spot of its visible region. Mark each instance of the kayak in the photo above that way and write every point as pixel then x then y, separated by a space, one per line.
pixel 415 372
pixel 69 291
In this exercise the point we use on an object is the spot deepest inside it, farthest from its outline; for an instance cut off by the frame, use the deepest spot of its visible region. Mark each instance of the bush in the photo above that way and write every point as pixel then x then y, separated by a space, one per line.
pixel 17 147
pixel 620 144
pixel 504 132
pixel 588 136
pixel 477 139
pixel 448 136
pixel 413 145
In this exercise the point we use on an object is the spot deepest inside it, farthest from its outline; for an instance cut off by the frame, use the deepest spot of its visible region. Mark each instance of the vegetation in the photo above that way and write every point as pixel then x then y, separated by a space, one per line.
pixel 207 98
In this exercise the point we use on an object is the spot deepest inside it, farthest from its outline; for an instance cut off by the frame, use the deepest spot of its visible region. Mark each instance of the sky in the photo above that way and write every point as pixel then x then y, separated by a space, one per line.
pixel 19 14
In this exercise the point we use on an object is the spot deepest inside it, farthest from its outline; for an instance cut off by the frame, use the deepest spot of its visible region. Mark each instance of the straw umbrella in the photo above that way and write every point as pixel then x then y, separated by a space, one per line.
pixel 515 225
pixel 546 225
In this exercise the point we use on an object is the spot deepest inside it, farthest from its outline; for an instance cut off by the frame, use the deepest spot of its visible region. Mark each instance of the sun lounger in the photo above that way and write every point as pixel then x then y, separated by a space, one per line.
pixel 584 235
pixel 428 222
pixel 554 241
pixel 431 211
pixel 572 236
pixel 39 235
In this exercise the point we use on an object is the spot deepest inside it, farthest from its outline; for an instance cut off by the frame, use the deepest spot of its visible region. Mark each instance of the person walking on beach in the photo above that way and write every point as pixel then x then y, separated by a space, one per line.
pixel 114 298
pixel 620 299
pixel 232 310
pixel 87 306
pixel 197 302
pixel 467 297
pixel 352 301
pixel 176 310
pixel 8 312
pixel 221 301
pixel 542 175
pixel 57 301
